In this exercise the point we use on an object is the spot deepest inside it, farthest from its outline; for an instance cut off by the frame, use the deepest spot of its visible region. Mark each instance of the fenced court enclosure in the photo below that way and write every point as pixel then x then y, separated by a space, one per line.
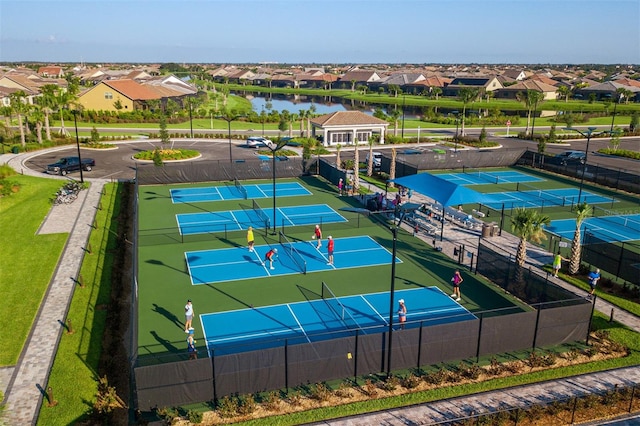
pixel 308 321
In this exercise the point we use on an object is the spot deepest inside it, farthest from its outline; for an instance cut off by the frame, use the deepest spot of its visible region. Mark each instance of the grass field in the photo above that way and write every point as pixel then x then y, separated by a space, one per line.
pixel 22 283
pixel 164 284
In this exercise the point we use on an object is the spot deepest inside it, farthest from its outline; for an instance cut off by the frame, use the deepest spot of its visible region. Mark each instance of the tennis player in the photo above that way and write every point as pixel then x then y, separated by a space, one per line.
pixel 330 249
pixel 402 313
pixel 317 235
pixel 250 239
pixel 270 256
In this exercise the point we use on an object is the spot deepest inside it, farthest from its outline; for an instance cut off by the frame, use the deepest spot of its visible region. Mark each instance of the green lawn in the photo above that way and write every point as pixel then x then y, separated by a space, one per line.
pixel 74 373
pixel 28 260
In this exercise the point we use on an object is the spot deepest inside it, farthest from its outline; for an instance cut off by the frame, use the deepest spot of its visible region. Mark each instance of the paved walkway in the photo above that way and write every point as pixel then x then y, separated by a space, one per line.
pixel 26 382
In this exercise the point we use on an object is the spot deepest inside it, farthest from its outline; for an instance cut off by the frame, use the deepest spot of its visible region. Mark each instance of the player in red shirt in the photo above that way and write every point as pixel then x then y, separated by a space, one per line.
pixel 317 234
pixel 330 249
pixel 270 256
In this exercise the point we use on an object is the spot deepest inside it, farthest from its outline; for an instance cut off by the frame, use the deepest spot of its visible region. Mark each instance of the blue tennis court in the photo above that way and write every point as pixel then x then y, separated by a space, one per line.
pixel 324 319
pixel 233 192
pixel 237 220
pixel 483 178
pixel 238 263
pixel 547 197
pixel 609 228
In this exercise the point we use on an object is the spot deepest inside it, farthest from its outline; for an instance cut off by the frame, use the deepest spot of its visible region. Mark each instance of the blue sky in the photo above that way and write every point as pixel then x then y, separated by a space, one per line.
pixel 321 31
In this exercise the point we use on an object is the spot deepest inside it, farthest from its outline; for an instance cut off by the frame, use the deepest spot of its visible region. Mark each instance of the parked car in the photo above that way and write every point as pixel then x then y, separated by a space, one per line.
pixel 257 142
pixel 571 157
pixel 70 164
pixel 377 159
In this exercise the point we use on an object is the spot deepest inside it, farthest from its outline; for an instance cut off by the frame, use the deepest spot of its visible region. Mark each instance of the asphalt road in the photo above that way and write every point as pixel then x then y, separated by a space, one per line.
pixel 118 163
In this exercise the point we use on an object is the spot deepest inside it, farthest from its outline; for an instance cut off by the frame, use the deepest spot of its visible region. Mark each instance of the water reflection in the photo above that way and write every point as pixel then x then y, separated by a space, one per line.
pixel 294 104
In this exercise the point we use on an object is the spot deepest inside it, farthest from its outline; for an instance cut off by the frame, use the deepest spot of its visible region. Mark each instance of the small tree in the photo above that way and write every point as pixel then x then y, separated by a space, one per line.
pixel 553 137
pixel 635 120
pixel 483 134
pixel 164 134
pixel 614 143
pixel 95 136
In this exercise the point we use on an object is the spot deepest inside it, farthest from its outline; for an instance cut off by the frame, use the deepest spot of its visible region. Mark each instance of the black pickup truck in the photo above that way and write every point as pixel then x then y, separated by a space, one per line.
pixel 70 164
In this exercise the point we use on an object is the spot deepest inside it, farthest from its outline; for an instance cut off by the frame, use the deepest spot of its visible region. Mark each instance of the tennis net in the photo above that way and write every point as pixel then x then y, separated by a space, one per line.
pixel 261 214
pixel 293 253
pixel 241 189
pixel 540 193
pixel 338 308
pixel 487 177
pixel 615 218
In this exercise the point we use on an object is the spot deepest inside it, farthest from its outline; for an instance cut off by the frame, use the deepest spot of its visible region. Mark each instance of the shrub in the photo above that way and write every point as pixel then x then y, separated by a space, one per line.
pixel 271 401
pixel 390 384
pixel 168 414
pixel 410 381
pixel 295 398
pixel 194 416
pixel 227 406
pixel 496 367
pixel 246 404
pixel 6 171
pixel 436 377
pixel 320 392
pixel 345 390
pixel 369 388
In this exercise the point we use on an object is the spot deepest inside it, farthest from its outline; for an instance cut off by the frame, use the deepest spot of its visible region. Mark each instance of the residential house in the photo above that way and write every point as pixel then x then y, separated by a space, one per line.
pixel 511 92
pixel 485 84
pixel 345 127
pixel 513 74
pixel 51 71
pixel 427 85
pixel 353 78
pixel 607 91
pixel 128 95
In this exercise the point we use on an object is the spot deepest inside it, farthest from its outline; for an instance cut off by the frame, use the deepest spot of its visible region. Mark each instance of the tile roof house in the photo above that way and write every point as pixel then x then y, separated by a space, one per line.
pixel 511 92
pixel 607 91
pixel 485 84
pixel 345 127
pixel 130 94
pixel 51 71
pixel 354 77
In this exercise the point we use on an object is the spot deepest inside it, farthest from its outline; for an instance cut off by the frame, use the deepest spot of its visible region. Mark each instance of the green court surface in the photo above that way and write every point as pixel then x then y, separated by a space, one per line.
pixel 164 283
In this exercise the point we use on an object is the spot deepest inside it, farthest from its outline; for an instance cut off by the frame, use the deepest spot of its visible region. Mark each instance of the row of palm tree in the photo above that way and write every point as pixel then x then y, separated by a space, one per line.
pixel 529 224
pixel 53 99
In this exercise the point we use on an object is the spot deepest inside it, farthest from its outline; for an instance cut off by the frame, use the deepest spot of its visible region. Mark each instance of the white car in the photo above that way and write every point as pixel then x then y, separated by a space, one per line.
pixel 257 142
pixel 377 159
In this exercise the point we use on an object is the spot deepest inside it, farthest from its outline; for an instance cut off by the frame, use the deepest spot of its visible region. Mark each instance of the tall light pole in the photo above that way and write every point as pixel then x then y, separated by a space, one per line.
pixel 587 134
pixel 615 107
pixel 455 139
pixel 229 118
pixel 75 122
pixel 403 105
pixel 274 147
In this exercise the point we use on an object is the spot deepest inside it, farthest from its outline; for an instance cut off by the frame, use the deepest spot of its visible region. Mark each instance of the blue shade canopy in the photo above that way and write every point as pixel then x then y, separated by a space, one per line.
pixel 444 192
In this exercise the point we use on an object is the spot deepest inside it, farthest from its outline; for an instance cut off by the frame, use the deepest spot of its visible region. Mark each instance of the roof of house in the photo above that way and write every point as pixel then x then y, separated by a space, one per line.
pixel 543 78
pixel 530 85
pixel 402 79
pixel 132 89
pixel 359 75
pixel 346 118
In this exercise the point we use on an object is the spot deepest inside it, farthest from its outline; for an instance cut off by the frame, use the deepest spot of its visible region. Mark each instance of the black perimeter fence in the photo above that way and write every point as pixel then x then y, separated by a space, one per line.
pixel 619 259
pixel 619 179
pixel 220 170
pixel 555 316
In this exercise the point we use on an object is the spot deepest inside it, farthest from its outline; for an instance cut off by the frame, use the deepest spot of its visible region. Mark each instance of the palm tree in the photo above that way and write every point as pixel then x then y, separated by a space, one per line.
pixel 18 105
pixel 356 167
pixel 39 116
pixel 565 92
pixel 436 91
pixel 370 142
pixel 338 161
pixel 466 95
pixel 392 169
pixel 528 225
pixel 582 210
pixel 47 101
pixel 394 116
pixel 530 99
